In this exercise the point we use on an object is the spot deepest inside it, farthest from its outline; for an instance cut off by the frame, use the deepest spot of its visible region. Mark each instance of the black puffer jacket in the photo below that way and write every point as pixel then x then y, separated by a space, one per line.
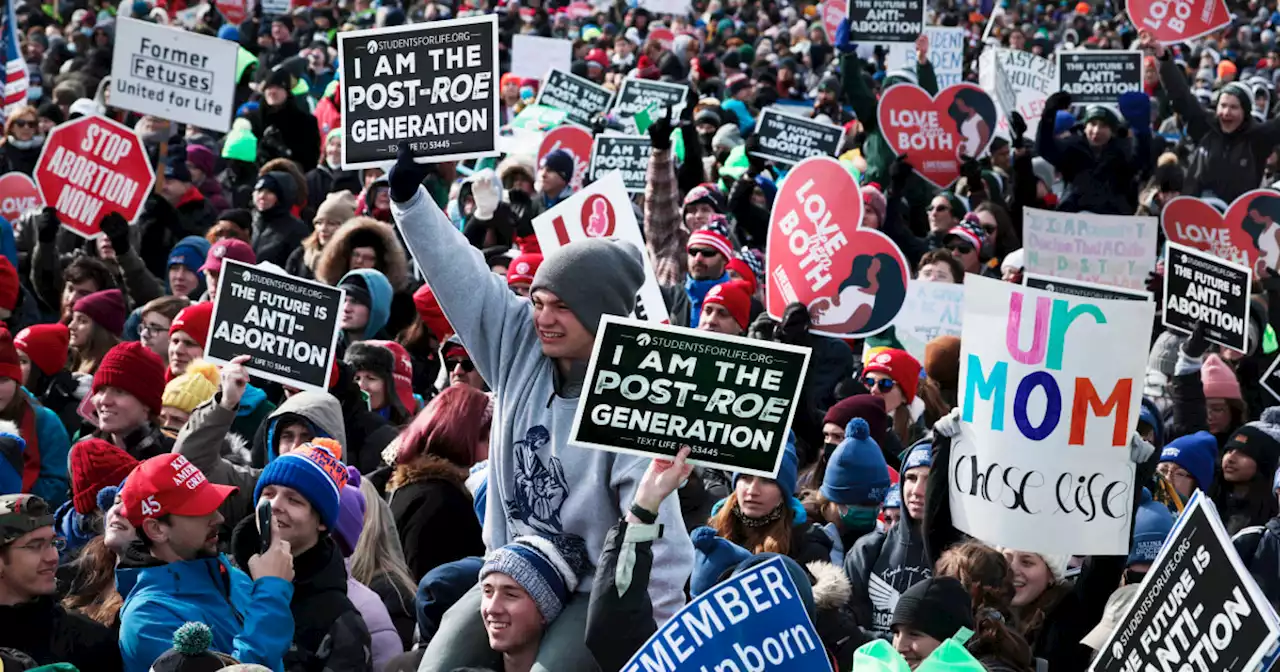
pixel 1259 548
pixel 276 232
pixel 297 132
pixel 1104 180
pixel 50 634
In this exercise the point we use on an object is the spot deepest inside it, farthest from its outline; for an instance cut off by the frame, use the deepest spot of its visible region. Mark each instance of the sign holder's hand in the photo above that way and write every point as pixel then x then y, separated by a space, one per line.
pixel 234 380
pixel 661 479
pixel 406 175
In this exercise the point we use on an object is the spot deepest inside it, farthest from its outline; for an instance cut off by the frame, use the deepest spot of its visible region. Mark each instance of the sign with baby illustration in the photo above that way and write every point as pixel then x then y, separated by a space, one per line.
pixel 1041 463
pixel 853 280
pixel 936 132
pixel 1248 234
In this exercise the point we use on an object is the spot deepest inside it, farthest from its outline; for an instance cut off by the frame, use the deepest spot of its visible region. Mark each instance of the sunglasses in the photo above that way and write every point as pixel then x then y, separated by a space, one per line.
pixel 702 252
pixel 884 385
pixel 466 364
pixel 23 123
pixel 962 248
pixel 940 208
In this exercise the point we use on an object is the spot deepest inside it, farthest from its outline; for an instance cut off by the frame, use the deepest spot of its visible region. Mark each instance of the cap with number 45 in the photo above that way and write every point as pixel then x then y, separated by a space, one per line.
pixel 170 484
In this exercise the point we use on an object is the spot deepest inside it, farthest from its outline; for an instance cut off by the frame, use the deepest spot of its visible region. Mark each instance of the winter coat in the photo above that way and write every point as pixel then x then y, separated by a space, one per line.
pixel 883 565
pixel 1259 550
pixel 142 443
pixel 302 259
pixel 276 232
pixel 325 180
pixel 298 131
pixel 58 394
pixel 162 224
pixel 335 258
pixel 19 159
pixel 45 460
pixel 1102 180
pixel 399 606
pixel 382 633
pixel 433 513
pixel 212 190
pixel 50 634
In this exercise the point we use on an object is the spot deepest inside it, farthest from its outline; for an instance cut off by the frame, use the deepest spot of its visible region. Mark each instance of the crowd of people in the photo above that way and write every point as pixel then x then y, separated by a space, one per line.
pixel 427 512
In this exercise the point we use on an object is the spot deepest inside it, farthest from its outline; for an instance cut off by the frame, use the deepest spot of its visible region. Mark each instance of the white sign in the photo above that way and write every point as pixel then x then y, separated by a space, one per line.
pixel 533 56
pixel 1118 250
pixel 174 74
pixel 603 210
pixel 1032 78
pixel 931 309
pixel 677 7
pixel 946 55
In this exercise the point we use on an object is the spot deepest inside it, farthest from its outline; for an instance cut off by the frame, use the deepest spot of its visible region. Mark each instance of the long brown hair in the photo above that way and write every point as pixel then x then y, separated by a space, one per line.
pixel 772 538
pixel 100 341
pixel 95 594
pixel 986 575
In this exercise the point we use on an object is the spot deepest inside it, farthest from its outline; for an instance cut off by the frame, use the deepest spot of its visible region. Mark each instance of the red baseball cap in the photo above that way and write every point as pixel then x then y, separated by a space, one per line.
pixel 228 248
pixel 170 484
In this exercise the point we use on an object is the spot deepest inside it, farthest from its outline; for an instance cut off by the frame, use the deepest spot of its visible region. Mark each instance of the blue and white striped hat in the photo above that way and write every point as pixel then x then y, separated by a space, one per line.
pixel 547 568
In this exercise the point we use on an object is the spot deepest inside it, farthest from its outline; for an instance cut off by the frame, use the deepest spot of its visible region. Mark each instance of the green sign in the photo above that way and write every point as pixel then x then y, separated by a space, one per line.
pixel 538 118
pixel 652 388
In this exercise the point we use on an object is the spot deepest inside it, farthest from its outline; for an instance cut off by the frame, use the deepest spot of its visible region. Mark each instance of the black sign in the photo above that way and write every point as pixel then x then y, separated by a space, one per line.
pixel 652 388
pixel 627 154
pixel 789 139
pixel 1091 290
pixel 1201 287
pixel 1197 609
pixel 1270 379
pixel 1099 77
pixel 581 99
pixel 287 325
pixel 434 84
pixel 638 94
pixel 885 21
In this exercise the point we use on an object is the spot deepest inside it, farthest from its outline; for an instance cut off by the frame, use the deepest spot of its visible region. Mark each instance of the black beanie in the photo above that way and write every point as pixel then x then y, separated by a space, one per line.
pixel 238 216
pixel 937 607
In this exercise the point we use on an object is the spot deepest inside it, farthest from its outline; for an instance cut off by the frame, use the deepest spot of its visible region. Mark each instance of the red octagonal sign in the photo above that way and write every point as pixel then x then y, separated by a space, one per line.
pixel 92 166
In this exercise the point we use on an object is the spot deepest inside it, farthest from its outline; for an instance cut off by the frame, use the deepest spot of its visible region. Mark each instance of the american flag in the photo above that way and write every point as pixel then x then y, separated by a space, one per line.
pixel 15 68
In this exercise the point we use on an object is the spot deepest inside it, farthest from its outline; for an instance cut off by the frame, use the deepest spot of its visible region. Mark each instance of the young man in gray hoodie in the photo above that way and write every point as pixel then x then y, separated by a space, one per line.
pixel 534 355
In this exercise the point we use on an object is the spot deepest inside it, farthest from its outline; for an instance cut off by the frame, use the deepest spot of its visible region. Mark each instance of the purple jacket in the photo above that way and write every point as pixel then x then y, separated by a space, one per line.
pixel 386 641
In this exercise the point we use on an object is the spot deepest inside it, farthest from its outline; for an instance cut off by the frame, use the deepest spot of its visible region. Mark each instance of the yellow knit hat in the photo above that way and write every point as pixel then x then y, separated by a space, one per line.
pixel 192 388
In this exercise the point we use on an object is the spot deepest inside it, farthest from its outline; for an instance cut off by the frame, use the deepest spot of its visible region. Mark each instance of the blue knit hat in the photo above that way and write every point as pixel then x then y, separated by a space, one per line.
pixel 713 555
pixel 1196 453
pixel 856 474
pixel 1151 525
pixel 315 473
pixel 893 498
pixel 190 252
pixel 547 568
pixel 920 454
pixel 788 476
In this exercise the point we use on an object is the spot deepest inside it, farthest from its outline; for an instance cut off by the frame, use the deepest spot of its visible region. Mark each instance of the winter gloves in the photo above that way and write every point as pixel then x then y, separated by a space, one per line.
pixel 406 175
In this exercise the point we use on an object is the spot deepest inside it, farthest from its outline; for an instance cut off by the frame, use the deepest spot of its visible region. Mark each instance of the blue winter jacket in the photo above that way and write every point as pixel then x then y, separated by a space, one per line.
pixel 53 485
pixel 250 620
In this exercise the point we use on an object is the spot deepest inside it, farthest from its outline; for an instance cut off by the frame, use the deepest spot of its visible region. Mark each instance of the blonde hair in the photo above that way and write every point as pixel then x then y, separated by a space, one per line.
pixel 379 552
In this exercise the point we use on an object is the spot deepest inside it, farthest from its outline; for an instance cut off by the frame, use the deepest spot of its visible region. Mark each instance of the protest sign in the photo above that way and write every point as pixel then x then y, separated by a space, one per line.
pixel 1031 77
pixel 580 99
pixel 232 10
pixel 18 193
pixel 1116 250
pixel 1006 97
pixel 789 139
pixel 652 388
pixel 946 54
pixel 933 133
pixel 1199 287
pixel 885 21
pixel 833 12
pixel 853 280
pixel 92 166
pixel 288 326
pixel 275 7
pixel 574 141
pixel 931 309
pixel 1042 461
pixel 676 7
pixel 602 210
pixel 754 620
pixel 638 94
pixel 1174 21
pixel 176 74
pixel 433 84
pixel 1197 608
pixel 1248 234
pixel 626 154
pixel 1089 290
pixel 533 56
pixel 1270 379
pixel 1098 77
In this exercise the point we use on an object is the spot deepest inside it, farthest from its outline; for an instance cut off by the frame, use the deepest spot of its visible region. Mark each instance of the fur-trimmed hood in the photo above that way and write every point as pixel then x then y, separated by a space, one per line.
pixel 364 232
pixel 428 467
pixel 831 588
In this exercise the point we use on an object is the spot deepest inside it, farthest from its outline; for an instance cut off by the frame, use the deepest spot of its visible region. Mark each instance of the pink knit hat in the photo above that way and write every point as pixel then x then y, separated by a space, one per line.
pixel 1219 380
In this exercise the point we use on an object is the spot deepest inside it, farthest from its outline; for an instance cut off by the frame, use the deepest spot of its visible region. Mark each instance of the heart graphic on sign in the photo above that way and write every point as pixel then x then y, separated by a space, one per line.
pixel 1180 20
pixel 853 280
pixel 1248 234
pixel 574 141
pixel 833 12
pixel 935 132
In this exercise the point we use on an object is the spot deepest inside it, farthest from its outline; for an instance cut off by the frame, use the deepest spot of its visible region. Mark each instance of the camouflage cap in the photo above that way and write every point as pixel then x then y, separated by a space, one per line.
pixel 20 514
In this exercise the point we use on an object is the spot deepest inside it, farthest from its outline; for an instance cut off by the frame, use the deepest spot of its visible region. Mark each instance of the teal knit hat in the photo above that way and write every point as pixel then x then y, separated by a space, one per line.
pixel 241 144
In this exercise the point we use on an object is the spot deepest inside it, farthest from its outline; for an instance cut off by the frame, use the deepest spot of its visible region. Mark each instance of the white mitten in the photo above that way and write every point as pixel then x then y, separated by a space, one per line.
pixel 485 191
pixel 948 425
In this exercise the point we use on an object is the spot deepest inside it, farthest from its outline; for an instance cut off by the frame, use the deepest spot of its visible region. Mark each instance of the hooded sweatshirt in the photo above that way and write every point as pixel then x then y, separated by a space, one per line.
pixel 882 566
pixel 379 296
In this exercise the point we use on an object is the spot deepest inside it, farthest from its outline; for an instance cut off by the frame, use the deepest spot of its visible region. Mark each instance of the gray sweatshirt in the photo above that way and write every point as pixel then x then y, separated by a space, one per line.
pixel 538 484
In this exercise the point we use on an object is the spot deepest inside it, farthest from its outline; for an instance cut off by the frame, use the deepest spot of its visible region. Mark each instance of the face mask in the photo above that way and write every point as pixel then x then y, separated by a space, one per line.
pixel 705 139
pixel 858 517
pixel 35 93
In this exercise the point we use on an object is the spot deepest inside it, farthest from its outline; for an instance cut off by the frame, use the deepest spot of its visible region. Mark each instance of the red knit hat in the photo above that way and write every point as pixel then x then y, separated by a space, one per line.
pixel 9 365
pixel 45 345
pixel 523 268
pixel 713 236
pixel 132 367
pixel 194 319
pixel 431 313
pixel 96 464
pixel 737 265
pixel 898 365
pixel 105 308
pixel 8 285
pixel 735 298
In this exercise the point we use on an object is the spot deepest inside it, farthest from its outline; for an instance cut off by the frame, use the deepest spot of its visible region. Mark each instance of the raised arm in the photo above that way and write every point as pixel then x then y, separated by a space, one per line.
pixel 664 231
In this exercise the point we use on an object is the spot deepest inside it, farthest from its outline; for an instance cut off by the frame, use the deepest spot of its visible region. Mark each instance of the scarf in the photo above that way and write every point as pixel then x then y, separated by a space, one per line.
pixel 697 291
pixel 762 520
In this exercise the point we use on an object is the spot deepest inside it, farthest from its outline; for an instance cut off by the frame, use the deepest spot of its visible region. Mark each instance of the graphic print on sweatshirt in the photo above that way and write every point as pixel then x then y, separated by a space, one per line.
pixel 885 590
pixel 540 487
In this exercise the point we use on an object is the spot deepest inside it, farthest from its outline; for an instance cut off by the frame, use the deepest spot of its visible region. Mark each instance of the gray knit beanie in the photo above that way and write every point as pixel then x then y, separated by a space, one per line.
pixel 593 277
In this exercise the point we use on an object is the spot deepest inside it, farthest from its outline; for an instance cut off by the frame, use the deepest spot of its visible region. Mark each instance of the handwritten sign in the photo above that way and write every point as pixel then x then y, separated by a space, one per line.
pixel 1117 250
pixel 931 309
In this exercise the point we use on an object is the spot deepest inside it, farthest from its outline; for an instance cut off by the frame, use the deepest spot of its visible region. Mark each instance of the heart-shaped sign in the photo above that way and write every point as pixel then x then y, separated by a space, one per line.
pixel 1248 234
pixel 934 132
pixel 833 12
pixel 853 280
pixel 1173 21
pixel 576 142
pixel 18 193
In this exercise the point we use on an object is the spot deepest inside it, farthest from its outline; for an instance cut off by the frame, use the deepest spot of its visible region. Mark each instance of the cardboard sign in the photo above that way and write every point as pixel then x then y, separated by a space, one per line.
pixel 934 132
pixel 1042 462
pixel 1032 78
pixel 789 139
pixel 946 54
pixel 885 21
pixel 853 280
pixel 1202 287
pixel 18 194
pixel 288 326
pixel 602 210
pixel 1173 21
pixel 754 620
pixel 833 12
pixel 638 94
pixel 580 99
pixel 1248 234
pixel 1197 608
pixel 931 309
pixel 532 56
pixel 92 166
pixel 576 142
pixel 1006 97
pixel 652 388
pixel 1088 290
pixel 1098 77
pixel 1118 250
pixel 175 74
pixel 434 84
pixel 628 155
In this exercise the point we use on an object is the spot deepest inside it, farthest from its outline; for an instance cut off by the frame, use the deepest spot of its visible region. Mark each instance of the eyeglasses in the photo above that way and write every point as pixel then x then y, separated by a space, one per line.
pixel 961 248
pixel 42 545
pixel 940 208
pixel 466 364
pixel 885 384
pixel 1171 471
pixel 23 123
pixel 702 252
pixel 152 329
